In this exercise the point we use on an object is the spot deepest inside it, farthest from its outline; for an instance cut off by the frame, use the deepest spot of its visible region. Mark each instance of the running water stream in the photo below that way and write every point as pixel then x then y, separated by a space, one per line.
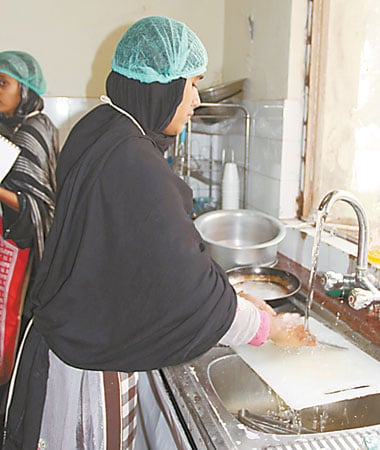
pixel 320 220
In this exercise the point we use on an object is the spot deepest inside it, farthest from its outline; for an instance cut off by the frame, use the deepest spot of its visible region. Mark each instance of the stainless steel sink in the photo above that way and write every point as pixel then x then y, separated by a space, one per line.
pixel 247 396
pixel 223 400
pixel 244 394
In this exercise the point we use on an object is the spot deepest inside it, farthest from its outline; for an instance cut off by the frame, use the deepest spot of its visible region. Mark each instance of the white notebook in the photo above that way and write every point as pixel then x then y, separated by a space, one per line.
pixel 8 155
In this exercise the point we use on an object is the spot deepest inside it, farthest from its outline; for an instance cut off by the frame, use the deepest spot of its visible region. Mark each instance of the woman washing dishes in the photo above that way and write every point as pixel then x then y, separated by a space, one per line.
pixel 125 284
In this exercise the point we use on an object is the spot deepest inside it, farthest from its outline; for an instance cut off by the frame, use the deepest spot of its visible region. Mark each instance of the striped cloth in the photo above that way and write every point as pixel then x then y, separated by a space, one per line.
pixel 128 383
pixel 120 395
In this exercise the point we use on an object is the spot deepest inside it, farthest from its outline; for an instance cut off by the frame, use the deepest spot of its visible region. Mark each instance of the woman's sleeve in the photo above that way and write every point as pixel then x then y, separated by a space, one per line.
pixel 250 325
pixel 33 179
pixel 18 225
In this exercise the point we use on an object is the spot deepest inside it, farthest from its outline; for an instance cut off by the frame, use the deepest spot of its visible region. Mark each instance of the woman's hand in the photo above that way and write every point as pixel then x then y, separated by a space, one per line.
pixel 260 304
pixel 287 329
pixel 9 198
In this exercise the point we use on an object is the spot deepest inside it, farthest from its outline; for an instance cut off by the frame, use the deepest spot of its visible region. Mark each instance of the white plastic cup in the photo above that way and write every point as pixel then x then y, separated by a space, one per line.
pixel 230 186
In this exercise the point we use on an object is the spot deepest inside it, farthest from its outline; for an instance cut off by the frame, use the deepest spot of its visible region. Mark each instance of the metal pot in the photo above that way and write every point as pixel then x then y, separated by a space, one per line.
pixel 241 237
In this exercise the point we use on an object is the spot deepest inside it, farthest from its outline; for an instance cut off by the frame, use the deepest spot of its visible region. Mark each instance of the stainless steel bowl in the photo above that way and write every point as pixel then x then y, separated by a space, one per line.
pixel 241 237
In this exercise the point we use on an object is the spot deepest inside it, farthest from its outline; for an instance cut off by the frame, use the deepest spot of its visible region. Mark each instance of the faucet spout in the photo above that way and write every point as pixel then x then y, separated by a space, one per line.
pixel 339 195
pixel 363 292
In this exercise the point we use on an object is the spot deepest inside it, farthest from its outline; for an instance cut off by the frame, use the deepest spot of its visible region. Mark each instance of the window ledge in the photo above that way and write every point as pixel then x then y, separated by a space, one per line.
pixel 335 252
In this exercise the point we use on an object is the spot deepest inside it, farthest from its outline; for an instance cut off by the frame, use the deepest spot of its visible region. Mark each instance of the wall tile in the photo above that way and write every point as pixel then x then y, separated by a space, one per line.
pixel 266 157
pixel 289 190
pixel 297 246
pixel 334 253
pixel 293 120
pixel 291 160
pixel 268 120
pixel 263 194
pixel 58 109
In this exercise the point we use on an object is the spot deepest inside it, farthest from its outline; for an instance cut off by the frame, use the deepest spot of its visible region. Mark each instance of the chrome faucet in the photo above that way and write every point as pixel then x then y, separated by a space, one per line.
pixel 362 290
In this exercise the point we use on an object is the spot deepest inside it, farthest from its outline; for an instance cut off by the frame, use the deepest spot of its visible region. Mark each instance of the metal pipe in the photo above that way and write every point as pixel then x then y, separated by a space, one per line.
pixel 188 154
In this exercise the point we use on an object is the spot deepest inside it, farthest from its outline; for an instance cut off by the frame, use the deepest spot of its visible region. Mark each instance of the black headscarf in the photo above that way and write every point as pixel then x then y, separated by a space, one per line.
pixel 152 105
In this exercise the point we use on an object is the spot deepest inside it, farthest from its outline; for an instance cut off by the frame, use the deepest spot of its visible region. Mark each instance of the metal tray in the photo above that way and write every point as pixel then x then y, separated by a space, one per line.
pixel 222 91
pixel 266 283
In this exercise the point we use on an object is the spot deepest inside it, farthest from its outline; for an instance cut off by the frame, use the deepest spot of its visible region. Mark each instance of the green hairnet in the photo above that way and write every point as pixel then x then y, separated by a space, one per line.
pixel 159 49
pixel 24 68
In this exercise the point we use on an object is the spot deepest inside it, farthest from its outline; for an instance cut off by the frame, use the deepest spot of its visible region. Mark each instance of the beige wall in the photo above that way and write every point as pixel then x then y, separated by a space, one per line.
pixel 74 40
pixel 274 59
pixel 264 60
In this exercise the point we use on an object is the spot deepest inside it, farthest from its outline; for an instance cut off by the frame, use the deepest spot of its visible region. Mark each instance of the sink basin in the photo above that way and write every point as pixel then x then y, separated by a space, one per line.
pixel 223 401
pixel 247 396
pixel 239 388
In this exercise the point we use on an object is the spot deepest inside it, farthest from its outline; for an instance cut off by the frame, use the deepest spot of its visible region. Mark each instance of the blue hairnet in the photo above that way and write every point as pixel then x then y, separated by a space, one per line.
pixel 24 68
pixel 159 49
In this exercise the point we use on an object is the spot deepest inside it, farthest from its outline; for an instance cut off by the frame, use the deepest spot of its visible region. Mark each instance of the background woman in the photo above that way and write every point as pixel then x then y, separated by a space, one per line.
pixel 27 193
pixel 126 284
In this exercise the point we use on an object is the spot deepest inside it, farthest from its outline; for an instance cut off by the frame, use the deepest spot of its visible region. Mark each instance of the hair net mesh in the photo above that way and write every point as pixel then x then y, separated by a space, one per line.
pixel 24 68
pixel 159 49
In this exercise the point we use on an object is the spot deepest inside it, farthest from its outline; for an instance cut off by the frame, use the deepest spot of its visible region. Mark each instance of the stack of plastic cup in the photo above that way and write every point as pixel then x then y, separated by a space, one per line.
pixel 230 186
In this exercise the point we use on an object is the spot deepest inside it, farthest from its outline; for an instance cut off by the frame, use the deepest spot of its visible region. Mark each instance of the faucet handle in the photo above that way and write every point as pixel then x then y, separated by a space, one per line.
pixel 361 298
pixel 330 280
pixel 334 280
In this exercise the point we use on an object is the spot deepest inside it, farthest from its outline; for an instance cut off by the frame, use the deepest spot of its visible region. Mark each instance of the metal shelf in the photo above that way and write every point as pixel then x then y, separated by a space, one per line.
pixel 224 107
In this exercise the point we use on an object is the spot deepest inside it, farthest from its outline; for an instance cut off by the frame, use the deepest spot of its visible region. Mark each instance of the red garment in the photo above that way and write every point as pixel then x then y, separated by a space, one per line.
pixel 13 269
